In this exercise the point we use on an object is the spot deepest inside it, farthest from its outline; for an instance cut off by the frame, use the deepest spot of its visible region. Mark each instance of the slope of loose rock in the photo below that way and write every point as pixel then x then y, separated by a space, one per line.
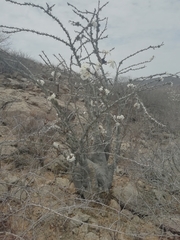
pixel 37 196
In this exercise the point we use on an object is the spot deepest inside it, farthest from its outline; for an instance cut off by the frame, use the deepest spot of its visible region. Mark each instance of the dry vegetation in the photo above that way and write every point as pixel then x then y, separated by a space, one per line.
pixel 83 156
pixel 38 197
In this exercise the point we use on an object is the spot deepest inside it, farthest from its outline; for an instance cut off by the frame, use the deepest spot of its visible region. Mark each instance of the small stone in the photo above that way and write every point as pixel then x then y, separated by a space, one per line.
pixel 78 219
pixel 115 205
pixel 8 150
pixel 141 184
pixel 10 179
pixel 3 189
pixel 83 228
pixel 63 182
pixel 72 188
pixel 91 236
pixel 19 193
pixel 75 222
pixel 75 230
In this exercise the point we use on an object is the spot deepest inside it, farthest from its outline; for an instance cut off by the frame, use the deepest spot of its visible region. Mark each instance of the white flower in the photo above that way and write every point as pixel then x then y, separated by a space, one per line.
pixel 58 74
pixel 130 85
pixel 151 58
pixel 101 105
pixel 120 117
pixel 103 131
pixel 41 82
pixel 55 74
pixel 101 89
pixel 106 91
pixel 85 71
pixel 84 76
pixel 137 105
pixel 106 52
pixel 100 126
pixel 85 66
pixel 51 97
pixel 71 158
pixel 52 73
pixel 92 103
pixel 112 63
pixel 62 67
pixel 56 145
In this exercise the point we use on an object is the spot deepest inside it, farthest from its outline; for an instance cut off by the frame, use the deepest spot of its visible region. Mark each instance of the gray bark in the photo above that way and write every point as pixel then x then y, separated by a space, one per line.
pixel 93 176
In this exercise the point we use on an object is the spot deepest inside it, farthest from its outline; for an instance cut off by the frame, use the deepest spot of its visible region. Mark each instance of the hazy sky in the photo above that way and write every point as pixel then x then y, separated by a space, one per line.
pixel 133 24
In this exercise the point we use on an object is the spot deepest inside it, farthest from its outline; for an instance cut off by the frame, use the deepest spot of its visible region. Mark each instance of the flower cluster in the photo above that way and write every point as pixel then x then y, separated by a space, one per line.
pixel 92 103
pixel 118 117
pixel 85 71
pixel 53 96
pixel 105 90
pixel 106 52
pixel 101 89
pixel 71 157
pixel 41 82
pixel 56 74
pixel 112 63
pixel 131 85
pixel 103 131
pixel 137 105
pixel 101 105
pixel 56 145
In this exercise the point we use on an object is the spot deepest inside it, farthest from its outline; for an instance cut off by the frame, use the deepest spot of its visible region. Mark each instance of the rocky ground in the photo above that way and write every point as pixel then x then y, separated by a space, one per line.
pixel 38 199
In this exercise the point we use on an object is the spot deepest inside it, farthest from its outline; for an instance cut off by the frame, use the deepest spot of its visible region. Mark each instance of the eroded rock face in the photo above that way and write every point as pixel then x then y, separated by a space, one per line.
pixel 18 107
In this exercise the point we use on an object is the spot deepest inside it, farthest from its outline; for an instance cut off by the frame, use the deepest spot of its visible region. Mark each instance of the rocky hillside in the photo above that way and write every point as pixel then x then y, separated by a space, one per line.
pixel 38 199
